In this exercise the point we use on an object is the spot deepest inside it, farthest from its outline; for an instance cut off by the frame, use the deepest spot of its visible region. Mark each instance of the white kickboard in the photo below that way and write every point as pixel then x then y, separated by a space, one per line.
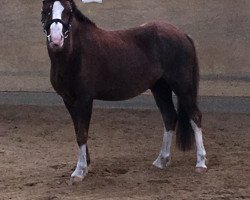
pixel 91 1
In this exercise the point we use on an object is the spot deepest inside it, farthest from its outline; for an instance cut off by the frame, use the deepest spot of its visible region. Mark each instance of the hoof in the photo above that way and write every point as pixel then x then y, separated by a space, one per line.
pixel 161 162
pixel 158 165
pixel 75 180
pixel 201 170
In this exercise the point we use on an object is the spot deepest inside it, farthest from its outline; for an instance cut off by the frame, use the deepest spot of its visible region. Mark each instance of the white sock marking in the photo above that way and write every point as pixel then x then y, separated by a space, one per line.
pixel 201 152
pixel 164 157
pixel 81 168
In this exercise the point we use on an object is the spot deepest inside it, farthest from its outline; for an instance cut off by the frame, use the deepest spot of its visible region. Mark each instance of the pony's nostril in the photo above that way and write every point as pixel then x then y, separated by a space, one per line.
pixel 49 38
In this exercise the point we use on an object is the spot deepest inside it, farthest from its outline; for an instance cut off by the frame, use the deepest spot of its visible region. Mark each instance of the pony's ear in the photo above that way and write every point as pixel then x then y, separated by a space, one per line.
pixel 70 2
pixel 45 1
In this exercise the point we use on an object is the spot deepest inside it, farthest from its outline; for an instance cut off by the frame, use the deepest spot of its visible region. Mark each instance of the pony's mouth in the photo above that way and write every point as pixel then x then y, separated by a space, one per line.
pixel 56 42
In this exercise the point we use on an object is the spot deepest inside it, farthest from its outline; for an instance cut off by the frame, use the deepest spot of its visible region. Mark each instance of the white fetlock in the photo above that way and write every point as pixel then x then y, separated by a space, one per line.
pixel 201 152
pixel 80 173
pixel 201 162
pixel 161 162
pixel 81 169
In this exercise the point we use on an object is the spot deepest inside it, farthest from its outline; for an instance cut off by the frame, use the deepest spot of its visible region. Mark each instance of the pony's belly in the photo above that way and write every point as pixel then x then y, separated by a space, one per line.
pixel 119 94
pixel 117 97
pixel 116 89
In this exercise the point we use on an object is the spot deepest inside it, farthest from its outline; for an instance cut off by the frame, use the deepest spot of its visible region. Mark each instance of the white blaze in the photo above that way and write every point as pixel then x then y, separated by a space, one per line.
pixel 56 29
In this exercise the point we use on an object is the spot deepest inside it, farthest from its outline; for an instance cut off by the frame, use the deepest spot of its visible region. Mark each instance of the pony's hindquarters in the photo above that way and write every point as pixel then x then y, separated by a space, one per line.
pixel 182 77
pixel 189 115
pixel 186 92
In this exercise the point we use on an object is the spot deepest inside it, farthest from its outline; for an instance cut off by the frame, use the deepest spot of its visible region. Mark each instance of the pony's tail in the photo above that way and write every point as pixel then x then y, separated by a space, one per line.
pixel 184 130
pixel 196 72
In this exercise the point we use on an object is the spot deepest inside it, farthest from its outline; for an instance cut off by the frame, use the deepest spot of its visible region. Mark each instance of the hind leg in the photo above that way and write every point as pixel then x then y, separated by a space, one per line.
pixel 189 105
pixel 201 152
pixel 163 97
pixel 163 159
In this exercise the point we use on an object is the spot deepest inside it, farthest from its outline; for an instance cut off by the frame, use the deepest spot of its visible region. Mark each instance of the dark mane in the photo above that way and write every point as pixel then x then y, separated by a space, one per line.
pixel 79 16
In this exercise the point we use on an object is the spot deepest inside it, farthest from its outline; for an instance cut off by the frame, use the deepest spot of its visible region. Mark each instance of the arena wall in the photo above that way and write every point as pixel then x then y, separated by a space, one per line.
pixel 220 29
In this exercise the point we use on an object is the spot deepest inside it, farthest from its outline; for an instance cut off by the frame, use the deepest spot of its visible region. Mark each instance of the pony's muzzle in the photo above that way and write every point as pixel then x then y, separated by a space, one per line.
pixel 56 38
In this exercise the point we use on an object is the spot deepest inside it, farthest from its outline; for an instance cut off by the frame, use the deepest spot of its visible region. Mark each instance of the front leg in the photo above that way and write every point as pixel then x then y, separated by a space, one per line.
pixel 81 115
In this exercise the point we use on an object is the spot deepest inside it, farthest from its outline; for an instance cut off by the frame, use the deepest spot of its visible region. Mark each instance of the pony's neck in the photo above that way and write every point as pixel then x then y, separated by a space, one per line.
pixel 81 18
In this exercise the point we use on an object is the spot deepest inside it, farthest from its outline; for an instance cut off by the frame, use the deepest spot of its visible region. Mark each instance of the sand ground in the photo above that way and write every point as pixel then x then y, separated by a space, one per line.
pixel 38 153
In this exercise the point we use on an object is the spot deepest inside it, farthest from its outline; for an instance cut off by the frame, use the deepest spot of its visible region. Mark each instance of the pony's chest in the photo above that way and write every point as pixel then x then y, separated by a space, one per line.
pixel 58 84
pixel 62 86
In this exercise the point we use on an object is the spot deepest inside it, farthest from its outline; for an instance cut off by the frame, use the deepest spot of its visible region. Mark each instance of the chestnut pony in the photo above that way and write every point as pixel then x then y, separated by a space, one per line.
pixel 90 63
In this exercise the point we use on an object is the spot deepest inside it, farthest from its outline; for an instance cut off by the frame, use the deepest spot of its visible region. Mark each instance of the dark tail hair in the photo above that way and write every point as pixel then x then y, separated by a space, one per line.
pixel 196 72
pixel 184 131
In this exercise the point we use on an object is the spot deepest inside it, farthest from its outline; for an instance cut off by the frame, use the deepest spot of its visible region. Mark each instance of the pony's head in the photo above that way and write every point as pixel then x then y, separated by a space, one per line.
pixel 56 19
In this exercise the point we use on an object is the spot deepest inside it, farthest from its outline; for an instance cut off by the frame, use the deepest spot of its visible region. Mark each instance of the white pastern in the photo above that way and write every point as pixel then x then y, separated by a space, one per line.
pixel 163 159
pixel 201 152
pixel 56 29
pixel 81 168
